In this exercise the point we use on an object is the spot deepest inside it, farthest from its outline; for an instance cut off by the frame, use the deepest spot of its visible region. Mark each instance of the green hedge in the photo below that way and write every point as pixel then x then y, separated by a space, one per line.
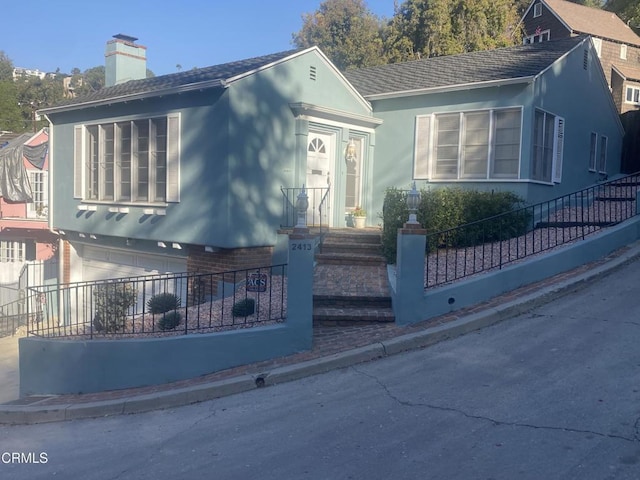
pixel 444 209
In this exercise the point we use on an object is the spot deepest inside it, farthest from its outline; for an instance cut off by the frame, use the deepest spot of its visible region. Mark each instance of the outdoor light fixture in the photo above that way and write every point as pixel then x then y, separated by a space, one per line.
pixel 350 154
pixel 302 204
pixel 413 201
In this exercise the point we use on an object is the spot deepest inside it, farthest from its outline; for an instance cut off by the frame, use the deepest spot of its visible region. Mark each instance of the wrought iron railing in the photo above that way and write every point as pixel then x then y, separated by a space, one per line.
pixel 504 239
pixel 317 213
pixel 158 305
pixel 13 315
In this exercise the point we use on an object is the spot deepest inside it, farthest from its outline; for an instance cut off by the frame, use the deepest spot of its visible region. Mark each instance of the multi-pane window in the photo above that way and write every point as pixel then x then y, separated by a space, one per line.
pixel 602 159
pixel 592 151
pixel 39 208
pixel 12 251
pixel 633 95
pixel 537 37
pixel 133 161
pixel 548 141
pixel 468 145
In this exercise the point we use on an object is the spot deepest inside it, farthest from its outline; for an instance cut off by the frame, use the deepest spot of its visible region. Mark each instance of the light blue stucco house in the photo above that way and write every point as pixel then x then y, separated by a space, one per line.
pixel 535 119
pixel 183 172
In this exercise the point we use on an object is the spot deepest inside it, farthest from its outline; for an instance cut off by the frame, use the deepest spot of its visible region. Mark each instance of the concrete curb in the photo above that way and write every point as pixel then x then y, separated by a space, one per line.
pixel 16 414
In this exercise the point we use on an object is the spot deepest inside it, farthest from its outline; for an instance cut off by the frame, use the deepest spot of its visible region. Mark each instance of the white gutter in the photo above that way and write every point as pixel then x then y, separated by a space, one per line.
pixel 137 96
pixel 451 88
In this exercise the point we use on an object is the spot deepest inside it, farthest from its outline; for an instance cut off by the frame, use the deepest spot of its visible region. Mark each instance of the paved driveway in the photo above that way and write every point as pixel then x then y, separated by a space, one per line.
pixel 9 378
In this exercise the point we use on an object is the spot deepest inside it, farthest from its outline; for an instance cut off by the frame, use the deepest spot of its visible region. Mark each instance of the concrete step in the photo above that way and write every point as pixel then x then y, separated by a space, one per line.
pixel 344 316
pixel 334 246
pixel 351 301
pixel 349 259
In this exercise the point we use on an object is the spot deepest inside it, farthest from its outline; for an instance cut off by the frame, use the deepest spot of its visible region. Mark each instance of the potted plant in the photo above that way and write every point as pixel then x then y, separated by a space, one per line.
pixel 359 217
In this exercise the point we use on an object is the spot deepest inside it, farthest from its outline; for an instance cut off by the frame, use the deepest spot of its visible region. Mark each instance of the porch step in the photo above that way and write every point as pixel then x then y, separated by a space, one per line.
pixel 350 282
pixel 350 258
pixel 349 316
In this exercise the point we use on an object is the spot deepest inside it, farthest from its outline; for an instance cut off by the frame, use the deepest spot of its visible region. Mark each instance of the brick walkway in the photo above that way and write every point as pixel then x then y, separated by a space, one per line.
pixel 327 340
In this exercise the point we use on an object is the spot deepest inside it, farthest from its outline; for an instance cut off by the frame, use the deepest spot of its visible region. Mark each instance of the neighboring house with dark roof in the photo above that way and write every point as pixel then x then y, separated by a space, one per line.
pixel 534 119
pixel 183 172
pixel 618 47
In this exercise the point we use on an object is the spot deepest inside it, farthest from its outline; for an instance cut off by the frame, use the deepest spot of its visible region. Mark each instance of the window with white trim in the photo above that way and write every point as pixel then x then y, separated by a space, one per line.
pixel 482 144
pixel 133 161
pixel 592 151
pixel 602 159
pixel 633 95
pixel 537 37
pixel 537 10
pixel 623 51
pixel 39 208
pixel 11 251
pixel 548 146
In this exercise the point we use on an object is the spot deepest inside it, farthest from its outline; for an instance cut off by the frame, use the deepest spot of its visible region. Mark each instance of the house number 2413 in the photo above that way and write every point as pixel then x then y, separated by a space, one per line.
pixel 301 246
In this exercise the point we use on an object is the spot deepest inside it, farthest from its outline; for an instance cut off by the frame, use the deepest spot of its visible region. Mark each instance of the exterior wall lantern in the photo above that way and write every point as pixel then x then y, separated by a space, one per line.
pixel 302 204
pixel 413 201
pixel 350 154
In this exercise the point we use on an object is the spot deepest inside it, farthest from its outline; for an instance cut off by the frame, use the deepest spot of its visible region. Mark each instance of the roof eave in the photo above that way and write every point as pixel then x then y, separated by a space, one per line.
pixel 136 96
pixel 451 88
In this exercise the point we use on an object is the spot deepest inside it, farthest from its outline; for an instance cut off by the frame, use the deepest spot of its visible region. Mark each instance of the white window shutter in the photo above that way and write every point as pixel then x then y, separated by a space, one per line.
pixel 558 149
pixel 421 161
pixel 173 158
pixel 77 161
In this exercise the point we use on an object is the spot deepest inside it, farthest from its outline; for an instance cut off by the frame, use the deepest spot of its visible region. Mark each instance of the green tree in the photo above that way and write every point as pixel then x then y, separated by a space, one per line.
pixel 346 31
pixel 627 10
pixel 11 119
pixel 6 67
pixel 430 28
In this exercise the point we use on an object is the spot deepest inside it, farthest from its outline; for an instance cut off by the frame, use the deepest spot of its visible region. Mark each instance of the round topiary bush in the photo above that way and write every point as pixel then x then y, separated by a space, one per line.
pixel 163 302
pixel 169 320
pixel 244 308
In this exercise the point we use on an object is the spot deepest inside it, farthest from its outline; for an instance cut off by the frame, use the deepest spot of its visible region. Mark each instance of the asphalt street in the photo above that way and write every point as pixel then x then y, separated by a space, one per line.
pixel 551 394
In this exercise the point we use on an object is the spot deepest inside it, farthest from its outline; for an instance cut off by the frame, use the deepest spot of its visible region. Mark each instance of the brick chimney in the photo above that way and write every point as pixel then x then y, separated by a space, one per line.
pixel 124 60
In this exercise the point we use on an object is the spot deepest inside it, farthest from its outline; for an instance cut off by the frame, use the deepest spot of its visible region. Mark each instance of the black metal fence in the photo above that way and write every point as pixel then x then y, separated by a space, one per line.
pixel 159 305
pixel 507 238
pixel 13 315
pixel 317 213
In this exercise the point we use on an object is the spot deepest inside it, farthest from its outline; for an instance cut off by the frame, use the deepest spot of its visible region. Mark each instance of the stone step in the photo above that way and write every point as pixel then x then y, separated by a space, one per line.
pixel 351 236
pixel 344 316
pixel 351 301
pixel 349 259
pixel 355 248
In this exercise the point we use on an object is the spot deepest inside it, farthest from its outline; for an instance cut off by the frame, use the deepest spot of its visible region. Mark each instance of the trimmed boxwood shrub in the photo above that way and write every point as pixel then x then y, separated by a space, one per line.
pixel 244 307
pixel 163 302
pixel 169 320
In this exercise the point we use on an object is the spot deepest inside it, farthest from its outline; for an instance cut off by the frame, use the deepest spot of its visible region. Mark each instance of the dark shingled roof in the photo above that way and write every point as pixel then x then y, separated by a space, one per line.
pixel 209 76
pixel 467 68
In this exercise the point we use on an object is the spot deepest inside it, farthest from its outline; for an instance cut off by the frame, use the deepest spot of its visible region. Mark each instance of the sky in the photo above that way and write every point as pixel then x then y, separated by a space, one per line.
pixel 68 34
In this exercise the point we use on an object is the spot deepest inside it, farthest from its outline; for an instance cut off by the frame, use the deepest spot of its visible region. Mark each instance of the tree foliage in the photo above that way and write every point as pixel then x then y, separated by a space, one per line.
pixel 346 31
pixel 430 28
pixel 628 11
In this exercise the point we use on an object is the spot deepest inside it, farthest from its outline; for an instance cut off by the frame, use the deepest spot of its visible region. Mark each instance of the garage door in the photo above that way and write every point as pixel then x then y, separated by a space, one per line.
pixel 104 263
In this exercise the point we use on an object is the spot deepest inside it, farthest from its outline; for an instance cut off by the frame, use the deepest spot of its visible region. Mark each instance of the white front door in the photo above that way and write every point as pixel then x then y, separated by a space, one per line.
pixel 320 163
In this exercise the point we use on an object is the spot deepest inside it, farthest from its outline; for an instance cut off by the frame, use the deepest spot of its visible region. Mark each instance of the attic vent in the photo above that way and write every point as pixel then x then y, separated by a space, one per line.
pixel 312 73
pixel 585 60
